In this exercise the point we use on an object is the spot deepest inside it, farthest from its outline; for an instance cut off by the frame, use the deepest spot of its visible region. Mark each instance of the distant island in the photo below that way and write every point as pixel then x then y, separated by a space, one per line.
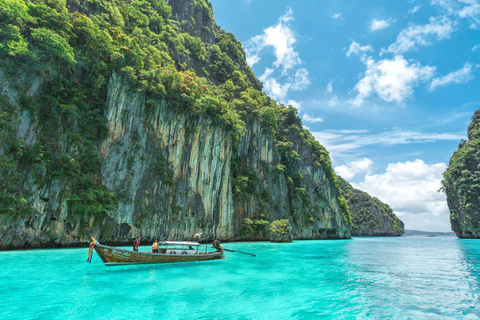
pixel 418 233
pixel 370 216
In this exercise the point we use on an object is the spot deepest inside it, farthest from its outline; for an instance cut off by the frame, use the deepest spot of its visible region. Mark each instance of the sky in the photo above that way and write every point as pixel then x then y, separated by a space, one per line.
pixel 388 87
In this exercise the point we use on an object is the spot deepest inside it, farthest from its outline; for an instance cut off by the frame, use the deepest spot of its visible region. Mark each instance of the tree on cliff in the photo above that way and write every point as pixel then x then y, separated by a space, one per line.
pixel 461 183
pixel 59 61
pixel 370 216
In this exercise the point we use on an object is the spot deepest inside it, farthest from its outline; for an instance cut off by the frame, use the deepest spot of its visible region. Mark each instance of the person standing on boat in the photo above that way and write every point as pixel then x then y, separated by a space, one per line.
pixel 90 249
pixel 216 244
pixel 136 243
pixel 155 247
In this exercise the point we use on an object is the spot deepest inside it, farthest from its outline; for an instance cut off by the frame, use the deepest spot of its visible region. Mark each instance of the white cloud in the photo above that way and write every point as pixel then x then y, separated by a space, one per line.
pixel 280 38
pixel 307 118
pixel 465 9
pixel 329 87
pixel 455 115
pixel 333 102
pixel 471 9
pixel 414 9
pixel 335 15
pixel 282 76
pixel 300 80
pixel 252 59
pixel 297 105
pixel 449 5
pixel 348 131
pixel 378 24
pixel 271 85
pixel 392 80
pixel 411 190
pixel 356 48
pixel 343 143
pixel 278 91
pixel 352 168
pixel 462 75
pixel 414 36
pixel 475 48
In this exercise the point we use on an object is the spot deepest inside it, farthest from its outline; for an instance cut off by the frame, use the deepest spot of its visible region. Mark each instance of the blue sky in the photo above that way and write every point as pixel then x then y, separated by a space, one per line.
pixel 388 87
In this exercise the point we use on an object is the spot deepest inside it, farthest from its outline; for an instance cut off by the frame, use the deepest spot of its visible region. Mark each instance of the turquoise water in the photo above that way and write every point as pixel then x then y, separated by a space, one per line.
pixel 390 278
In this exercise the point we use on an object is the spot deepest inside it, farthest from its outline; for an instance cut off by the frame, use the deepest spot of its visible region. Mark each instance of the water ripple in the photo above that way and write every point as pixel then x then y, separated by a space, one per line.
pixel 377 278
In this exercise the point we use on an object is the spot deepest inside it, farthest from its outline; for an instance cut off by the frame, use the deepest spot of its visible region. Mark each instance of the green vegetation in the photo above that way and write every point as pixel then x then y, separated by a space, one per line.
pixel 71 48
pixel 74 47
pixel 461 183
pixel 280 229
pixel 345 209
pixel 161 168
pixel 254 228
pixel 369 215
pixel 12 196
pixel 290 130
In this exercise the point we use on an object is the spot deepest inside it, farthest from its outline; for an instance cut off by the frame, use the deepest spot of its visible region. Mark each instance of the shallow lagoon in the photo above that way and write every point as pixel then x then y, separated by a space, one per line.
pixel 399 278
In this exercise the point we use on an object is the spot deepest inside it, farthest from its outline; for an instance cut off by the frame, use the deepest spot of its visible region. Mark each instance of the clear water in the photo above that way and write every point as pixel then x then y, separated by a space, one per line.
pixel 375 278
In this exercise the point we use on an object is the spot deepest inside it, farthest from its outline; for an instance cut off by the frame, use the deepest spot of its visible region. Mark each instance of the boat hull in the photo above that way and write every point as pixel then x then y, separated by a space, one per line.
pixel 113 256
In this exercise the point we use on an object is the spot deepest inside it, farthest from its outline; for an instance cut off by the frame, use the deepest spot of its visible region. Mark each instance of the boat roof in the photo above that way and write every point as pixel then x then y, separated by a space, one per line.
pixel 184 243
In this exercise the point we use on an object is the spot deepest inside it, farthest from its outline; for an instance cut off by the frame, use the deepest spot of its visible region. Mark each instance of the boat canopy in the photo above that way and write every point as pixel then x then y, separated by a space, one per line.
pixel 183 243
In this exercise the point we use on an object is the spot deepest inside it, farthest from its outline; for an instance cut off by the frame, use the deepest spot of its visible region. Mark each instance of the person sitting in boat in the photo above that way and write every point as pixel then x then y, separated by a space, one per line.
pixel 136 243
pixel 155 247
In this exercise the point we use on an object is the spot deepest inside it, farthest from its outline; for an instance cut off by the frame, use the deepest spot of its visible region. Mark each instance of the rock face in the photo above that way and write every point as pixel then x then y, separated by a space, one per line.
pixel 92 145
pixel 461 183
pixel 196 18
pixel 370 216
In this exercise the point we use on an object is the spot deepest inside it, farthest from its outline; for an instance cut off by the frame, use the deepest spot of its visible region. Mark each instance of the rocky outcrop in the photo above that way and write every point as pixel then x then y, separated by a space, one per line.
pixel 461 183
pixel 83 148
pixel 195 17
pixel 370 216
pixel 173 175
pixel 313 210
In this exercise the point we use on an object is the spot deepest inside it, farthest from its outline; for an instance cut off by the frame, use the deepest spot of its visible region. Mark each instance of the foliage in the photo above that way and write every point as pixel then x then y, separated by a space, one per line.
pixel 74 47
pixel 461 182
pixel 280 228
pixel 254 227
pixel 473 130
pixel 244 181
pixel 53 44
pixel 161 168
pixel 368 214
pixel 342 202
pixel 12 193
pixel 12 201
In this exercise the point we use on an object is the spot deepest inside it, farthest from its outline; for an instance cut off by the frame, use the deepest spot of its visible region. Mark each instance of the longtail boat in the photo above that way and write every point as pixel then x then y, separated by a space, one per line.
pixel 169 251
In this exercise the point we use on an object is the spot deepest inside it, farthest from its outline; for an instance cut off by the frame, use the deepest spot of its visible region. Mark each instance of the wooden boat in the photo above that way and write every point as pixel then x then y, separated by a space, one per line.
pixel 168 251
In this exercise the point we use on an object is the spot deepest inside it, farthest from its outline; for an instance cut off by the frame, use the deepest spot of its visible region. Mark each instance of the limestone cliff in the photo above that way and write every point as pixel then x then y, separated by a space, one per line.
pixel 145 120
pixel 461 183
pixel 370 216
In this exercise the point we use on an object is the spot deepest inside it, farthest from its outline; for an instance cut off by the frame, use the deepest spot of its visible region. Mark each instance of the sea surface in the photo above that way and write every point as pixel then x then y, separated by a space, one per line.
pixel 362 278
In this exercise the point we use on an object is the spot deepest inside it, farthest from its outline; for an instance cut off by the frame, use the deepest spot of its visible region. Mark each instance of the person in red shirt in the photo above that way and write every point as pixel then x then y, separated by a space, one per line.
pixel 136 243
